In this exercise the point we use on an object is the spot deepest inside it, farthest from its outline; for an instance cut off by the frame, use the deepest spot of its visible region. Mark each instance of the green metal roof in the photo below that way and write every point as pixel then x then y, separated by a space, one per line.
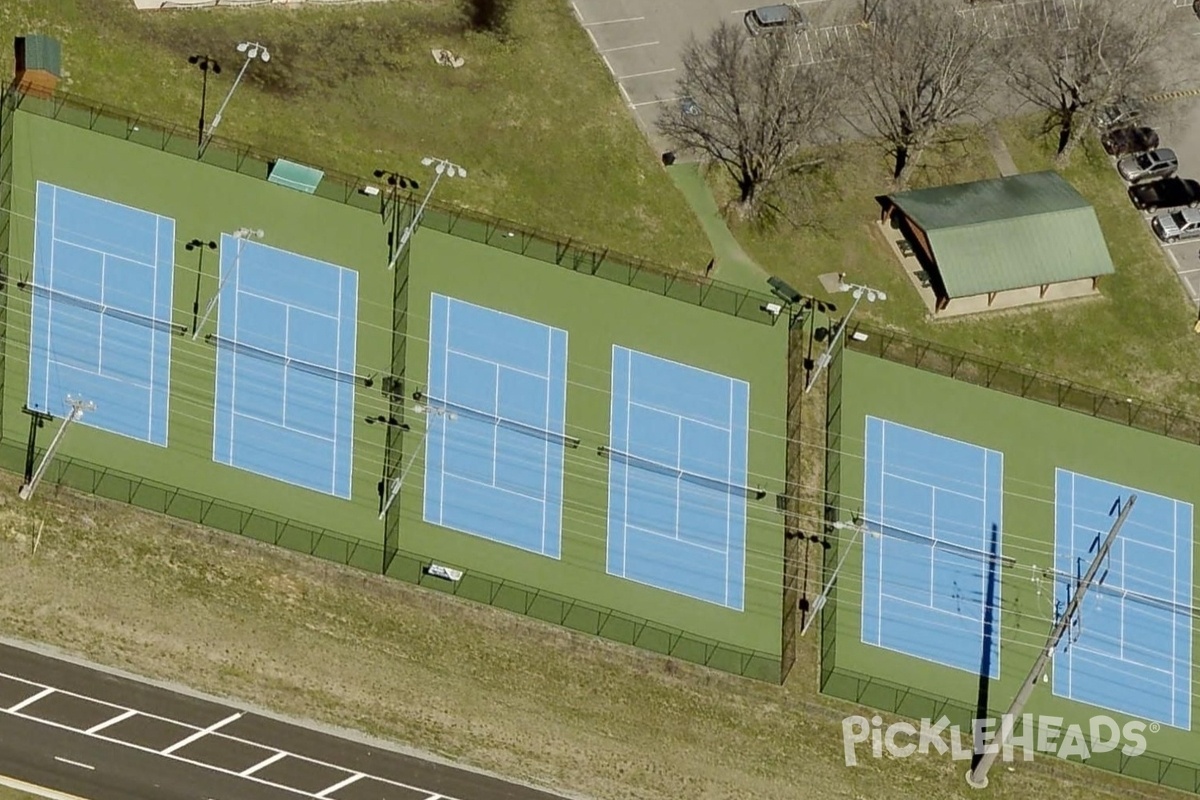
pixel 1008 233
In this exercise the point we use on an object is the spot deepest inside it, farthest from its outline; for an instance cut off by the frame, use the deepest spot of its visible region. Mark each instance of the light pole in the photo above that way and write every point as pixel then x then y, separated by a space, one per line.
pixel 859 292
pixel 206 65
pixel 395 182
pixel 252 50
pixel 201 245
pixel 440 167
pixel 241 234
pixel 398 483
pixel 823 598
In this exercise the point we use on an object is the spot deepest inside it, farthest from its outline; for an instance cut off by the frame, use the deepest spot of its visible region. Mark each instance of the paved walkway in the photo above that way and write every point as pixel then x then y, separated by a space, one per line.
pixel 733 264
pixel 1004 160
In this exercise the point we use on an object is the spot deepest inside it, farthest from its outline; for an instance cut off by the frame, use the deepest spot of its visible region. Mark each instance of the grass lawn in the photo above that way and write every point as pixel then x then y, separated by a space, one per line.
pixel 484 687
pixel 1136 340
pixel 13 794
pixel 537 122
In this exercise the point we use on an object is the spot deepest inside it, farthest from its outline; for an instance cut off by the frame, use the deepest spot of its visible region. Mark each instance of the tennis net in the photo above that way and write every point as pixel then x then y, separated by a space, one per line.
pixel 750 492
pixel 106 310
pixel 510 424
pixel 241 348
pixel 941 544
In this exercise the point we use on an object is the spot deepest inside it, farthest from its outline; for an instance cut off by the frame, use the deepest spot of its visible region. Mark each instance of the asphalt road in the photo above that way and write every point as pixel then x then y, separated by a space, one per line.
pixel 89 733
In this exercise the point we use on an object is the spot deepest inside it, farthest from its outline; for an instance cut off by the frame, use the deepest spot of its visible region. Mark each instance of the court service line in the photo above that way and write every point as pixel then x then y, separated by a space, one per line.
pixel 283 426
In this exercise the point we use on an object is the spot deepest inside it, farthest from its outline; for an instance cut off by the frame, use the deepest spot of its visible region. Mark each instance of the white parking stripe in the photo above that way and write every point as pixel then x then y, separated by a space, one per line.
pixel 628 47
pixel 656 102
pixel 266 762
pixel 184 742
pixel 16 711
pixel 111 721
pixel 28 701
pixel 612 21
pixel 79 764
pixel 340 785
pixel 644 74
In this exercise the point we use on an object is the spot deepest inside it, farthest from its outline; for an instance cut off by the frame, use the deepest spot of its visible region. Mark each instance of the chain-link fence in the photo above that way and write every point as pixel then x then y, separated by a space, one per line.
pixel 1027 383
pixel 566 252
pixel 878 693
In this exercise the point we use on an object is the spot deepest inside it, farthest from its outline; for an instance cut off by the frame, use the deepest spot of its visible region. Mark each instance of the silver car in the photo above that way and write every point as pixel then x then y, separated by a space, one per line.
pixel 1161 163
pixel 1177 225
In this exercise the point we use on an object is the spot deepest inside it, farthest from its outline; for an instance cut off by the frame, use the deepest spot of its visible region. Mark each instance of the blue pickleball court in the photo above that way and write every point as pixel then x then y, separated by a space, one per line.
pixel 677 492
pixel 496 406
pixel 285 366
pixel 1130 648
pixel 101 318
pixel 931 561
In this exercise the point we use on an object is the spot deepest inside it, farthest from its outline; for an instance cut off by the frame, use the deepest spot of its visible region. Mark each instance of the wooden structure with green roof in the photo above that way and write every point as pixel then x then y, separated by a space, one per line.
pixel 1021 239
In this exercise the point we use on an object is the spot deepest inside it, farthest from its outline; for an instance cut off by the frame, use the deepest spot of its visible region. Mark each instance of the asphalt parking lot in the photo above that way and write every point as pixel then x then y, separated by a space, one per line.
pixel 1178 126
pixel 641 42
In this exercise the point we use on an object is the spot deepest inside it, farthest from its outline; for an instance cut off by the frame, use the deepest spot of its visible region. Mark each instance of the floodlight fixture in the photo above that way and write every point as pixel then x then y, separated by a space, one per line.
pixel 252 51
pixel 857 291
pixel 441 168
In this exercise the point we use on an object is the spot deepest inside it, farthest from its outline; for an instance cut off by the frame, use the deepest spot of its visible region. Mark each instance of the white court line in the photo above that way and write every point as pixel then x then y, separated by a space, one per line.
pixel 50 283
pixel 111 721
pixel 677 540
pixel 79 764
pixel 675 413
pixel 266 762
pixel 627 47
pixel 185 741
pixel 496 412
pixel 340 784
pixel 546 444
pixel 28 701
pixel 611 21
pixel 493 486
pixel 287 332
pixel 645 74
pixel 491 363
pixel 287 428
pixel 98 251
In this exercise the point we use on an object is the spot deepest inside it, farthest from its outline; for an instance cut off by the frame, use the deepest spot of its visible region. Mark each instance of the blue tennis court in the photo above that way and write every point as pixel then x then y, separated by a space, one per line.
pixel 285 366
pixel 931 568
pixel 495 443
pixel 677 490
pixel 1130 647
pixel 101 320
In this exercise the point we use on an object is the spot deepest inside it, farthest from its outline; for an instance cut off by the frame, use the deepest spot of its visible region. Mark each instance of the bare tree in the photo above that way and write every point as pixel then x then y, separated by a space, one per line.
pixel 749 108
pixel 489 16
pixel 925 68
pixel 1072 67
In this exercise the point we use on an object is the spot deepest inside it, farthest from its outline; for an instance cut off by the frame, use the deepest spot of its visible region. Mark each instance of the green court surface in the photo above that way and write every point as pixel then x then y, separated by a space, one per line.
pixel 204 201
pixel 1035 440
pixel 596 315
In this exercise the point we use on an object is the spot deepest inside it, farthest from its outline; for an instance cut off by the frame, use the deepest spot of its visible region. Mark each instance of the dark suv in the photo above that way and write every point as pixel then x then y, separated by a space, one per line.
pixel 770 19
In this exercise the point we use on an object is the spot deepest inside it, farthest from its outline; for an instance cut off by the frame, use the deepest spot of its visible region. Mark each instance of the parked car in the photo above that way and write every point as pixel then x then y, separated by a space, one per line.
pixel 1177 225
pixel 1166 193
pixel 1161 163
pixel 1125 111
pixel 773 18
pixel 1129 139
